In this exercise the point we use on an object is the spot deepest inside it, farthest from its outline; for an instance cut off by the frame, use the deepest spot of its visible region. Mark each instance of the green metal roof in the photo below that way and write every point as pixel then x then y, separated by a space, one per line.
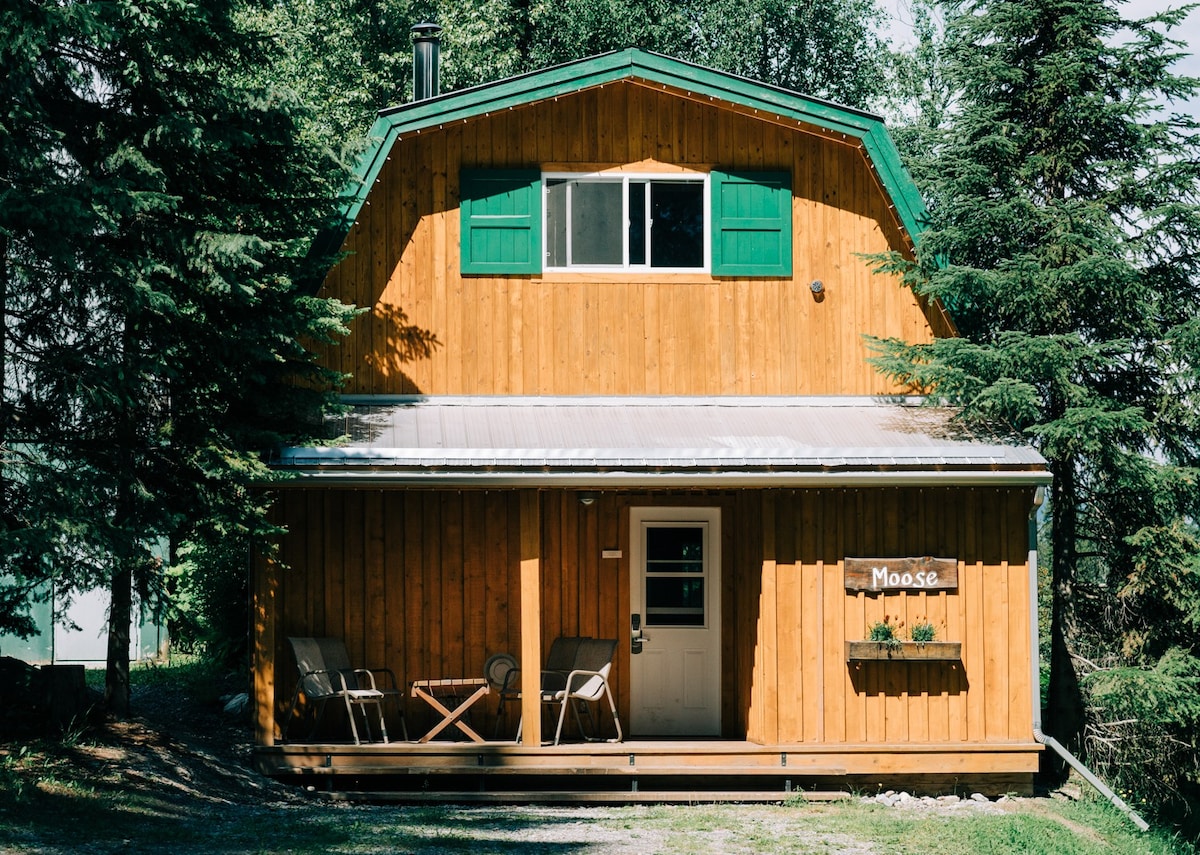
pixel 635 64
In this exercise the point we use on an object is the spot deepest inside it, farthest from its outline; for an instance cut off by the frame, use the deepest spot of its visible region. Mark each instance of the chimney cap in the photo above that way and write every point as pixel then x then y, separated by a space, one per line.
pixel 426 30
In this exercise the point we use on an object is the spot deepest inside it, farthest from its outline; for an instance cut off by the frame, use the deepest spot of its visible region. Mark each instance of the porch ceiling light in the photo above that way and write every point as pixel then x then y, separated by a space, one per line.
pixel 587 499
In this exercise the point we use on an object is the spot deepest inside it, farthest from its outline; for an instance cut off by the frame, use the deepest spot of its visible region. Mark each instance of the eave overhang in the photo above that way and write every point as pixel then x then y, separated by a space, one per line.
pixel 672 443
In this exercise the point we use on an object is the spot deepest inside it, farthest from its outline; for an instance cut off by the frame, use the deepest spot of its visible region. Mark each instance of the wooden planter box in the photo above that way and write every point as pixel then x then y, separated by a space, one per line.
pixel 948 651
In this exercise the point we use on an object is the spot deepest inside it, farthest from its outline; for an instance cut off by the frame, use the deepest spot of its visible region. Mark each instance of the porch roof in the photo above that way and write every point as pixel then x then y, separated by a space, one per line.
pixel 657 441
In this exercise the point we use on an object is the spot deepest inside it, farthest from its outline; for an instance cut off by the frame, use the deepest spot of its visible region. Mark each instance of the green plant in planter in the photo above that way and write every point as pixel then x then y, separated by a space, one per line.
pixel 922 631
pixel 885 633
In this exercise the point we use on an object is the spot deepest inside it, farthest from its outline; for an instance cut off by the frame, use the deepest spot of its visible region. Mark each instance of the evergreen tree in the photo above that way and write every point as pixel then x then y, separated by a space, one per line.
pixel 1066 243
pixel 156 219
pixel 352 58
pixel 829 49
pixel 918 99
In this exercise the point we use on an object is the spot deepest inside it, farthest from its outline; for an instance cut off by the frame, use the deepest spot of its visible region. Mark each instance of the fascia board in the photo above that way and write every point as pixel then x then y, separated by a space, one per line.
pixel 897 183
pixel 824 115
pixel 382 477
pixel 374 156
pixel 610 68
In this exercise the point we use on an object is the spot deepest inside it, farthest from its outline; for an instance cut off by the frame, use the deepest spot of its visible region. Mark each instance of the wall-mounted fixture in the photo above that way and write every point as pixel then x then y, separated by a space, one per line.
pixel 587 499
pixel 817 286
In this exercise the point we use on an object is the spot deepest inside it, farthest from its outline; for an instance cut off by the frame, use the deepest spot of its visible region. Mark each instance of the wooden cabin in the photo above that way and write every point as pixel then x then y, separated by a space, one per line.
pixel 612 382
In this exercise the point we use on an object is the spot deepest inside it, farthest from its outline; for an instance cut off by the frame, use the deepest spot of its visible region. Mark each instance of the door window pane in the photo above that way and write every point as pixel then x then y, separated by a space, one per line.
pixel 674 601
pixel 675 575
pixel 675 549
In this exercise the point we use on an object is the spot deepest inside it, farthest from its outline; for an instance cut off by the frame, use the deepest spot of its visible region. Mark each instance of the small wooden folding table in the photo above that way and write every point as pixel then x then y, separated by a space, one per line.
pixel 464 691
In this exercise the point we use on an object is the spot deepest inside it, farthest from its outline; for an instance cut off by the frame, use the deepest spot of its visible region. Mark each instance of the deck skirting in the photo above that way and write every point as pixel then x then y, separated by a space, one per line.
pixel 638 767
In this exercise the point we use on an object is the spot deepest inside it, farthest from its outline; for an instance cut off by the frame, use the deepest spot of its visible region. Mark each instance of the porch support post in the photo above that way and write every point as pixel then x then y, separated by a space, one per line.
pixel 264 587
pixel 531 617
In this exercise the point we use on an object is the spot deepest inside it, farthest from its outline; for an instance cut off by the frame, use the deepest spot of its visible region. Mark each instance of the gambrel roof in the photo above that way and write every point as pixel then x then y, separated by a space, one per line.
pixel 770 103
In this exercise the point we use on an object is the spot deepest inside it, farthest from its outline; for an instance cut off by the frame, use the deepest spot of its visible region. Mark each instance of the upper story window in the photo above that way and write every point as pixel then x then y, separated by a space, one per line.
pixel 524 222
pixel 628 222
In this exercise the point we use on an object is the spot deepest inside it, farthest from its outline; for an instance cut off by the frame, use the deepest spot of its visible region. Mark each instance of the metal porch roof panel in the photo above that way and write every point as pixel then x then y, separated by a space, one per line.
pixel 458 438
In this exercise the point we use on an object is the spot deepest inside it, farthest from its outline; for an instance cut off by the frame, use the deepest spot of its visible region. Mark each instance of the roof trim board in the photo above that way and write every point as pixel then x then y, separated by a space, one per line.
pixel 376 477
pixel 649 69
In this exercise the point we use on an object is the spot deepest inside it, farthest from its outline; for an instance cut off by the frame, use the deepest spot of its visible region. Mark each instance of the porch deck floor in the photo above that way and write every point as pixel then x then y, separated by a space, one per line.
pixel 646 769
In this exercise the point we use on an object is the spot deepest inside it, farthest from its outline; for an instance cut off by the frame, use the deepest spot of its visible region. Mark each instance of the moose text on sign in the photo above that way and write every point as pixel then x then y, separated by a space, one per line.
pixel 901 574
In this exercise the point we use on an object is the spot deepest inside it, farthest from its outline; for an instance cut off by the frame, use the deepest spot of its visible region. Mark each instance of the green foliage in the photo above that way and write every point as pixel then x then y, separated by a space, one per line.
pixel 885 632
pixel 922 631
pixel 830 50
pixel 209 597
pixel 351 58
pixel 918 98
pixel 1065 242
pixel 1143 731
pixel 1166 694
pixel 156 222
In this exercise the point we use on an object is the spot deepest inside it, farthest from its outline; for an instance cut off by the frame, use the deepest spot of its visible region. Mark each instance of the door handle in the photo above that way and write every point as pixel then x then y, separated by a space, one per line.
pixel 635 634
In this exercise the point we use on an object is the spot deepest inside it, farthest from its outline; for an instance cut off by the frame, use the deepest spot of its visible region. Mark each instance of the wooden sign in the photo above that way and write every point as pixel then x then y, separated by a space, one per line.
pixel 901 574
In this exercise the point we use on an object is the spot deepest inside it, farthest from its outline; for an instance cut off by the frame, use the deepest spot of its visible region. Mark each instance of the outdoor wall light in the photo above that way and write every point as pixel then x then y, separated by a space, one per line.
pixel 587 499
pixel 817 286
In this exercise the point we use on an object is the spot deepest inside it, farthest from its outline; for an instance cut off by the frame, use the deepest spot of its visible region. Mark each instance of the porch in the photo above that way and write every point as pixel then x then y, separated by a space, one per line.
pixel 647 770
pixel 716 556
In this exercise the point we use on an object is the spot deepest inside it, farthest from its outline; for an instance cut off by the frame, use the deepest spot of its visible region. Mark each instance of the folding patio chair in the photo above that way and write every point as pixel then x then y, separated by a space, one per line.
pixel 326 674
pixel 576 675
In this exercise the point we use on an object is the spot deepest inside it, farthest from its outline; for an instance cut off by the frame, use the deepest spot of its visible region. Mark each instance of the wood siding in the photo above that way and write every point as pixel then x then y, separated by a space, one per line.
pixel 432 330
pixel 428 583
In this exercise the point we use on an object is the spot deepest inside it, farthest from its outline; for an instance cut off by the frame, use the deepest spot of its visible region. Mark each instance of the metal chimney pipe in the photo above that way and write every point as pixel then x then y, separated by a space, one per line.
pixel 426 41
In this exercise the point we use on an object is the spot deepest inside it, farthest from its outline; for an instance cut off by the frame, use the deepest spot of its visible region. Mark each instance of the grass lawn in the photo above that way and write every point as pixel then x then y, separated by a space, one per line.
pixel 60 817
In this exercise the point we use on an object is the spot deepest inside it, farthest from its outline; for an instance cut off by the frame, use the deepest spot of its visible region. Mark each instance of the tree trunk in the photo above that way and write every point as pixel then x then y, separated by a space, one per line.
pixel 1064 713
pixel 126 554
pixel 4 414
pixel 116 683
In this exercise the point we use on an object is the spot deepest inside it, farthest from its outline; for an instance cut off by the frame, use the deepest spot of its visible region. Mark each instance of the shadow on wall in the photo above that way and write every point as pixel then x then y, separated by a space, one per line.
pixel 403 343
pixel 899 679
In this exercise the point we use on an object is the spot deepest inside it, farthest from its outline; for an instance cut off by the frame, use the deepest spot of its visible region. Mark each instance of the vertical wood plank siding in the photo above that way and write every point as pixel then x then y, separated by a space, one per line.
pixel 428 584
pixel 620 334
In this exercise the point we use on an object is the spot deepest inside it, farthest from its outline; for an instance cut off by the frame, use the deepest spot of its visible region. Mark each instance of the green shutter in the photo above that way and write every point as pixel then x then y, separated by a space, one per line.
pixel 501 216
pixel 751 224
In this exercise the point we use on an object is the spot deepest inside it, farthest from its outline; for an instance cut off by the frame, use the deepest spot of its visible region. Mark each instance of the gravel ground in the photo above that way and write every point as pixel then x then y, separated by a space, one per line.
pixel 176 780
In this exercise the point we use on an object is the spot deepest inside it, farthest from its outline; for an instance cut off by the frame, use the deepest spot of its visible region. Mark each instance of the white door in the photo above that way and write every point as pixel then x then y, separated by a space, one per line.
pixel 675 598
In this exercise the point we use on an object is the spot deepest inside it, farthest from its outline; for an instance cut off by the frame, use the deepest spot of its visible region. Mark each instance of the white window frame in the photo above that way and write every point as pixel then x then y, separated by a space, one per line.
pixel 624 179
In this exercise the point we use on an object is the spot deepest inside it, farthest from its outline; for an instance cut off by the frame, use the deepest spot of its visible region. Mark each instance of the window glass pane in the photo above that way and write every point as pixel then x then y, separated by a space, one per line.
pixel 674 601
pixel 675 549
pixel 637 222
pixel 677 224
pixel 556 222
pixel 596 223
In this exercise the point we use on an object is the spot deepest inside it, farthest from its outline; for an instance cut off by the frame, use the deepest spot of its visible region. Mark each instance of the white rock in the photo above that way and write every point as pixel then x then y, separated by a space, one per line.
pixel 238 705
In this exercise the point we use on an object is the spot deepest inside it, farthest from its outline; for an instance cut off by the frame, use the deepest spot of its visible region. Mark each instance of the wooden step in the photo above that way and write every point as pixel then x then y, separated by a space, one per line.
pixel 584 797
pixel 663 771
